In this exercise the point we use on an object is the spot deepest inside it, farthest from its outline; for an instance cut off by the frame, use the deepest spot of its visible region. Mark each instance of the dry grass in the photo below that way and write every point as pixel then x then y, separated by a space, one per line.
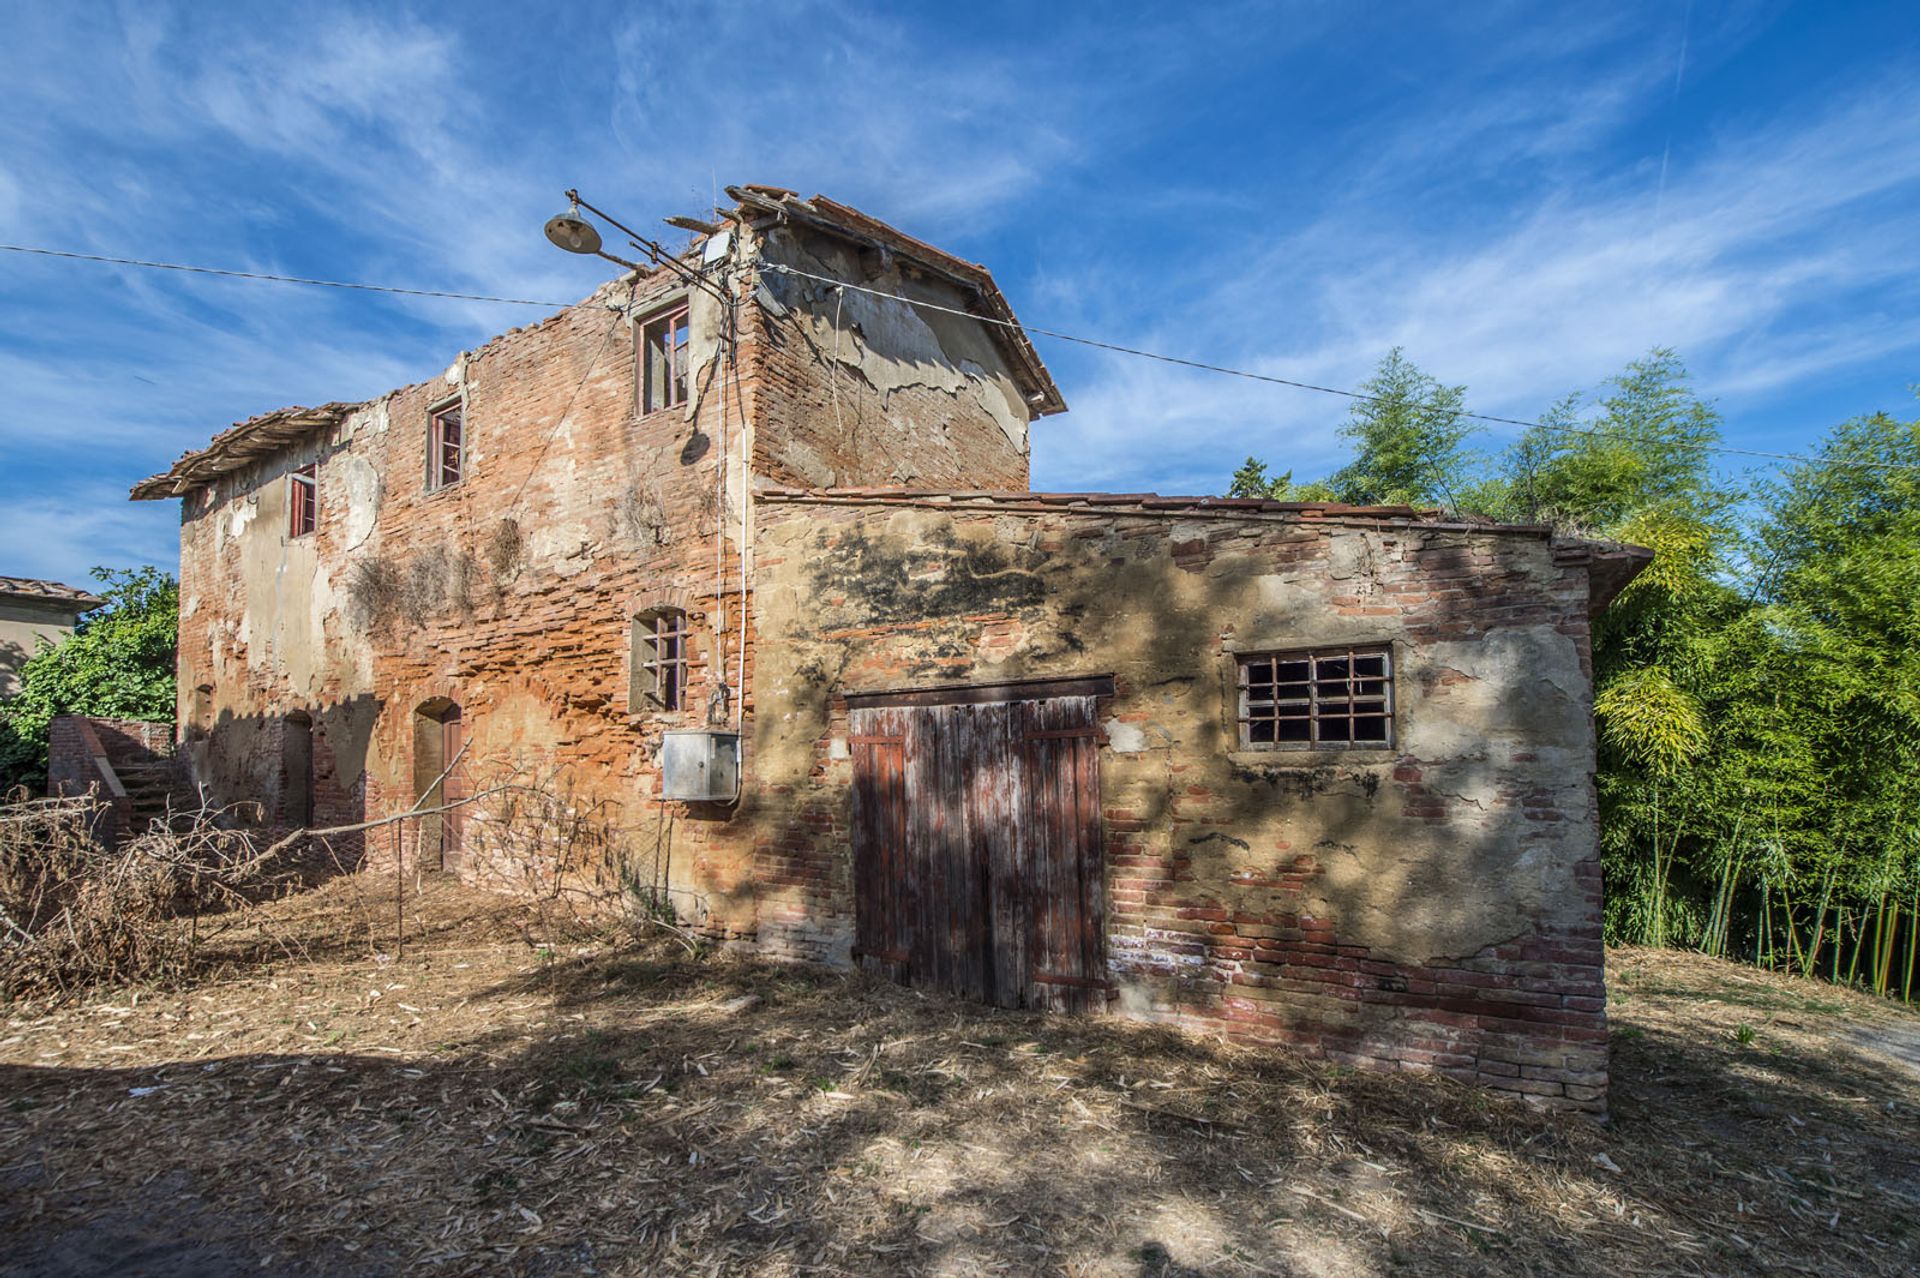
pixel 486 1106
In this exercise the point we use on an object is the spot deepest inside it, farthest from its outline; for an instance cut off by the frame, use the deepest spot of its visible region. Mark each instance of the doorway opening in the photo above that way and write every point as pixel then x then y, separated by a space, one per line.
pixel 296 769
pixel 439 782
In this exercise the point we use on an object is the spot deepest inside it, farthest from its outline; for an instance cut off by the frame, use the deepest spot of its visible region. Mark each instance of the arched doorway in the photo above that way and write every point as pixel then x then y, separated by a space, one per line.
pixel 439 779
pixel 296 769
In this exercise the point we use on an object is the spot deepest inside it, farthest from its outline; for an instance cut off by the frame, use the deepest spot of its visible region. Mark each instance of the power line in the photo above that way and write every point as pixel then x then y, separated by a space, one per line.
pixel 1201 365
pixel 1310 386
pixel 278 279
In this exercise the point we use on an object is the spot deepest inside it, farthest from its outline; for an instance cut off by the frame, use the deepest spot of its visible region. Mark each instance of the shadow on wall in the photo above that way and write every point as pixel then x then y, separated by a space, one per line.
pixel 1428 883
pixel 305 768
pixel 12 657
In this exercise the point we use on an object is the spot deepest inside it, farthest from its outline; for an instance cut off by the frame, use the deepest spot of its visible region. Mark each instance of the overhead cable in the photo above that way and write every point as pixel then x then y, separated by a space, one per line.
pixel 1310 386
pixel 1178 361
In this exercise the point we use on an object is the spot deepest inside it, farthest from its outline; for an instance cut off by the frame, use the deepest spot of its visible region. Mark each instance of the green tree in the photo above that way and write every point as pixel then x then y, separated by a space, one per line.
pixel 118 663
pixel 1407 434
pixel 1648 447
pixel 1838 566
pixel 1252 480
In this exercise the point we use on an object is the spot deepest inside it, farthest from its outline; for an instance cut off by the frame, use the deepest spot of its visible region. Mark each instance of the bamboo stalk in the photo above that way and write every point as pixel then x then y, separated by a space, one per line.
pixel 1883 960
pixel 1859 943
pixel 1794 956
pixel 1879 932
pixel 1819 923
pixel 1913 948
pixel 1766 923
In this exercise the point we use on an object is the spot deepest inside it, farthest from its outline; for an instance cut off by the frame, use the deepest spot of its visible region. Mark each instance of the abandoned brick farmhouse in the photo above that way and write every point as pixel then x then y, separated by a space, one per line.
pixel 743 548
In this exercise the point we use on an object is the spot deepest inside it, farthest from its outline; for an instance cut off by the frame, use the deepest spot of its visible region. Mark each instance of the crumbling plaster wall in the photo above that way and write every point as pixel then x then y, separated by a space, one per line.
pixel 1475 832
pixel 511 593
pixel 869 390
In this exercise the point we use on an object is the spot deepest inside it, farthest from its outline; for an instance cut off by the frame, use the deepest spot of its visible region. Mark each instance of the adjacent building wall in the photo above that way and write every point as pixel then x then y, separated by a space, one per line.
pixel 24 625
pixel 1431 906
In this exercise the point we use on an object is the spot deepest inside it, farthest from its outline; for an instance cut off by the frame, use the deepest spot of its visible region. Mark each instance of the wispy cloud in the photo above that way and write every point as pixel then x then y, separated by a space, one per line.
pixel 1753 266
pixel 1291 189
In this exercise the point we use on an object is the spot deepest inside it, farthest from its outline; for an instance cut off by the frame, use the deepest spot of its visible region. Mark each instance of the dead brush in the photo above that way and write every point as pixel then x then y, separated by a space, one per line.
pixel 375 592
pixel 76 914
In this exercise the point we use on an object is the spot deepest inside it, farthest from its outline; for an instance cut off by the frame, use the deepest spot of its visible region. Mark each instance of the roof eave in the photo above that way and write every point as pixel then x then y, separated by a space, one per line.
pixel 238 447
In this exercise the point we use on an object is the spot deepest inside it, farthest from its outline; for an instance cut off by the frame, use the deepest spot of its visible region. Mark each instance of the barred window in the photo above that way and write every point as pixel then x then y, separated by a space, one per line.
pixel 658 673
pixel 1336 699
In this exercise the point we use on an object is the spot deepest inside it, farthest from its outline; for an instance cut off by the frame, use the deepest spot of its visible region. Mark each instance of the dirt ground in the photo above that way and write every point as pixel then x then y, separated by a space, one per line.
pixel 501 1100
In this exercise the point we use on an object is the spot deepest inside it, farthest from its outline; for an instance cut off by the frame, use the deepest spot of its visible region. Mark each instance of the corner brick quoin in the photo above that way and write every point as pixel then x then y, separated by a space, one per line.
pixel 835 494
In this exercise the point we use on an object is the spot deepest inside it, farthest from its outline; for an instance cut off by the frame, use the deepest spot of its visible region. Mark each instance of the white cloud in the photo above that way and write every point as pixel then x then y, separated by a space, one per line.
pixel 1752 266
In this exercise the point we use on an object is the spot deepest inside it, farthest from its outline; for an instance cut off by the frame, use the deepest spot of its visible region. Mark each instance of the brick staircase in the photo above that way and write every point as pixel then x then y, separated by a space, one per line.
pixel 156 791
pixel 129 764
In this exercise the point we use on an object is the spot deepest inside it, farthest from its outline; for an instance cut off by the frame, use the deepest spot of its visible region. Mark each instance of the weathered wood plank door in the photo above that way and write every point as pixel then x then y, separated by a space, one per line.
pixel 977 844
pixel 884 922
pixel 1066 959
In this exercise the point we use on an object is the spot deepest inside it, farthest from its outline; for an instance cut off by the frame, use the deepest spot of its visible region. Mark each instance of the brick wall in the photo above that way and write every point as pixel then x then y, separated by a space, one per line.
pixel 74 742
pixel 1432 906
pixel 511 593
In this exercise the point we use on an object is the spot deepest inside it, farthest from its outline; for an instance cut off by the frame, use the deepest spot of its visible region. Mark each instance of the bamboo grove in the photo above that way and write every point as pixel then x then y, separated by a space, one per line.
pixel 1757 688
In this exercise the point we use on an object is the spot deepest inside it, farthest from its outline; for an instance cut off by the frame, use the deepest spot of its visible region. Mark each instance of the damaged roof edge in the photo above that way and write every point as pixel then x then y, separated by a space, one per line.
pixel 238 446
pixel 1611 568
pixel 850 223
pixel 1200 507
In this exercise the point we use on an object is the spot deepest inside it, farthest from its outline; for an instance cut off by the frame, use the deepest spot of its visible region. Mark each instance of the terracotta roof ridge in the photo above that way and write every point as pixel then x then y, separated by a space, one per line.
pixel 39 588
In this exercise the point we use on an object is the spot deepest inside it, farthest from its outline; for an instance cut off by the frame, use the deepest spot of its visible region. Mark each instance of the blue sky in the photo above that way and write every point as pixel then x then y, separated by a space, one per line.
pixel 1524 196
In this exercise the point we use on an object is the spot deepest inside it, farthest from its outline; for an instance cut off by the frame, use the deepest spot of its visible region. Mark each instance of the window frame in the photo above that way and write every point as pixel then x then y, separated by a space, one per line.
pixel 303 498
pixel 436 443
pixel 657 661
pixel 1316 708
pixel 679 381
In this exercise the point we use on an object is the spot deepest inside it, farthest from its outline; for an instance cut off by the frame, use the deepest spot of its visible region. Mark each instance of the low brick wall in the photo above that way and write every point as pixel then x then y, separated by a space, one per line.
pixel 76 742
pixel 1526 1017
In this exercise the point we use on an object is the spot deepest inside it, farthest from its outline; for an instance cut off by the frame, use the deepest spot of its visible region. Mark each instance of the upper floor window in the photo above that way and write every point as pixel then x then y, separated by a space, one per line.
pixel 658 673
pixel 446 446
pixel 1332 698
pixel 663 360
pixel 303 501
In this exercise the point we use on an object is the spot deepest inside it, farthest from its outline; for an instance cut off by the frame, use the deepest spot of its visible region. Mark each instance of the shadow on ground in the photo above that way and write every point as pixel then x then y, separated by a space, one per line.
pixel 644 1111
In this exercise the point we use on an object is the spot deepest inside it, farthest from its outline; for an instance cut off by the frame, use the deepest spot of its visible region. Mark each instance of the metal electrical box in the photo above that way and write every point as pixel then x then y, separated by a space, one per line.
pixel 698 765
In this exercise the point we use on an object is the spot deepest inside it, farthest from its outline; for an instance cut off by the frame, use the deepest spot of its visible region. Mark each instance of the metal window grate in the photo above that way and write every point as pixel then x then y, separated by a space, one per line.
pixel 303 501
pixel 446 447
pixel 659 660
pixel 663 360
pixel 1334 699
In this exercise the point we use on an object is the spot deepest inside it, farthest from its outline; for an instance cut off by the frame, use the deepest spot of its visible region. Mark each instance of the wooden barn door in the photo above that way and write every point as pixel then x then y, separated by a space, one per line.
pixel 1063 854
pixel 882 880
pixel 977 845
